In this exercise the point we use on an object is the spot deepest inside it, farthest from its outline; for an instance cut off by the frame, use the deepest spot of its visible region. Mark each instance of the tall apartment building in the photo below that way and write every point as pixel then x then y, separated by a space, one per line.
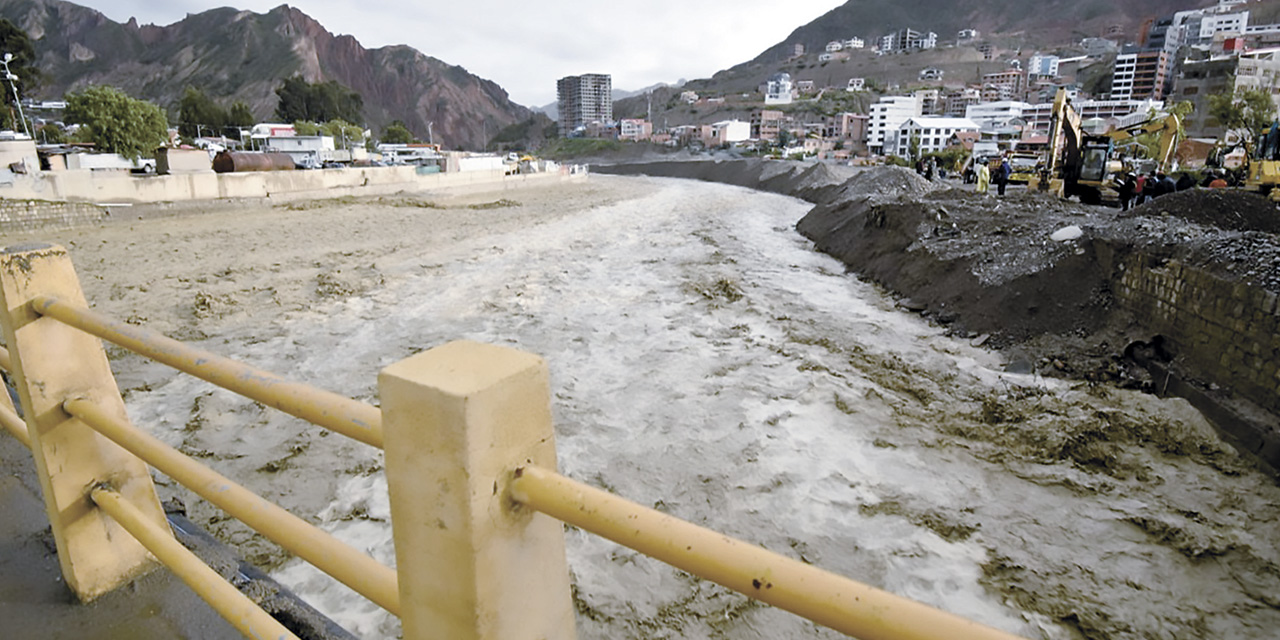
pixel 887 115
pixel 583 100
pixel 1224 76
pixel 1140 75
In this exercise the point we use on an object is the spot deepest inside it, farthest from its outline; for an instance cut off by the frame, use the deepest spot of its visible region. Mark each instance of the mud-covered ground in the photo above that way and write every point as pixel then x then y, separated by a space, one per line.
pixel 705 360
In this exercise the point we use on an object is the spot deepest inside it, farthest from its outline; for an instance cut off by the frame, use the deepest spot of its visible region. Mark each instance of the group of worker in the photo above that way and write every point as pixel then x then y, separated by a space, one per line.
pixel 1001 173
pixel 1136 189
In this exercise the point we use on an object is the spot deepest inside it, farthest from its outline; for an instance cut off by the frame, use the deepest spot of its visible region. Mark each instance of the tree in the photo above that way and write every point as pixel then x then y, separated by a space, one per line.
pixel 51 133
pixel 1246 112
pixel 397 133
pixel 116 123
pixel 320 102
pixel 15 41
pixel 199 115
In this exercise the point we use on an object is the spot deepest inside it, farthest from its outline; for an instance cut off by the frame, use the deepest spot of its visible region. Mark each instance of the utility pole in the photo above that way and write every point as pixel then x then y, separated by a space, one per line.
pixel 16 100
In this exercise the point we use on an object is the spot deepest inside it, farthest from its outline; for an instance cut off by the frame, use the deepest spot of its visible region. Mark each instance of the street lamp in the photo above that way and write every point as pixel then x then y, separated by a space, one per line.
pixel 11 77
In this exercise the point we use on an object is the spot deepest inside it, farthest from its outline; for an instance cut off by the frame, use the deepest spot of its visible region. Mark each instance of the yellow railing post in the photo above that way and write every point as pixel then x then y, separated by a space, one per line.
pixel 52 361
pixel 457 421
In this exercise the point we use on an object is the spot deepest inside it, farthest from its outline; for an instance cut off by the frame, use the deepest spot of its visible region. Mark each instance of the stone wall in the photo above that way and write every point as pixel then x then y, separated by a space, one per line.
pixel 17 216
pixel 1228 333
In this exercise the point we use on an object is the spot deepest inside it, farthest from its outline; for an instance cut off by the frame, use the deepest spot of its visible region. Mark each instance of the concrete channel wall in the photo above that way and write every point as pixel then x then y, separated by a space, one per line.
pixel 121 187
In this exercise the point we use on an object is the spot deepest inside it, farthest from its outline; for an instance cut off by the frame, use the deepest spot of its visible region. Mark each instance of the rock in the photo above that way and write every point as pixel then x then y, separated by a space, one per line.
pixel 1064 234
pixel 980 340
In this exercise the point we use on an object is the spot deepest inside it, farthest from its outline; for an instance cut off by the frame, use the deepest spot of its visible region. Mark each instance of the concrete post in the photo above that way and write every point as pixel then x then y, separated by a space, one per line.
pixel 472 564
pixel 52 362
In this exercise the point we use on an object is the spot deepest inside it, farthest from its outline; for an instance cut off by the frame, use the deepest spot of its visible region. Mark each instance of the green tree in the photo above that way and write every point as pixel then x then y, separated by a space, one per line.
pixel 14 41
pixel 320 102
pixel 199 115
pixel 344 134
pixel 51 134
pixel 397 133
pixel 1245 111
pixel 305 128
pixel 116 123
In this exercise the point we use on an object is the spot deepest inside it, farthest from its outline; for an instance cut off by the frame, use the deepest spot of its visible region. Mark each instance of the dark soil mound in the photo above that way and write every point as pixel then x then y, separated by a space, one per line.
pixel 1222 208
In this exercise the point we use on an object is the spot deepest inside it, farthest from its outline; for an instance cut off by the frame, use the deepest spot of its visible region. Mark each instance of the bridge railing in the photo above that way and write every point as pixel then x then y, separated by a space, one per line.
pixel 476 505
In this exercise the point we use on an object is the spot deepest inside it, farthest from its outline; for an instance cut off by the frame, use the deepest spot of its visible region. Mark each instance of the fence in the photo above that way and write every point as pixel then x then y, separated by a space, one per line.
pixel 477 507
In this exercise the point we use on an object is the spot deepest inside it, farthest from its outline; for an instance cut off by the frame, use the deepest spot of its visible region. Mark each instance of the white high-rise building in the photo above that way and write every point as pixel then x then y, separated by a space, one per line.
pixel 887 116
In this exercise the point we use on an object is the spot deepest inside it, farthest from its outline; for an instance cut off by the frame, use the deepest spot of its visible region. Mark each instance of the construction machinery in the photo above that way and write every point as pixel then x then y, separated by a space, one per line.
pixel 1087 165
pixel 1262 173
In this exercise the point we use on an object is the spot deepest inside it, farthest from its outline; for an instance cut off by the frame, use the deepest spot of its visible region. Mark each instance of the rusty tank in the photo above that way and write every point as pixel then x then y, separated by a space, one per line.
pixel 241 161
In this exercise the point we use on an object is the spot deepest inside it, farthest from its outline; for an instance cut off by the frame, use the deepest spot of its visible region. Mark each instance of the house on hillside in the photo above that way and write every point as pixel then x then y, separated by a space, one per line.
pixel 834 46
pixel 856 84
pixel 854 43
pixel 931 73
pixel 634 130
pixel 779 90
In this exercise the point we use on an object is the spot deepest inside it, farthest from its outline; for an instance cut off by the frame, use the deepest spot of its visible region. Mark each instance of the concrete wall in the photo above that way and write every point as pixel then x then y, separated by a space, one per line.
pixel 1228 333
pixel 84 186
pixel 33 215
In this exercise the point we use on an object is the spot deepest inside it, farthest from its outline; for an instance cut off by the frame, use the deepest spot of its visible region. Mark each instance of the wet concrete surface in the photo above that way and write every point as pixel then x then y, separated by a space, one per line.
pixel 36 604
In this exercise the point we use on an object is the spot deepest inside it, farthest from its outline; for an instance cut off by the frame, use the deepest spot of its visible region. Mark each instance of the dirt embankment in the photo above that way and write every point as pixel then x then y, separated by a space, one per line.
pixel 1027 273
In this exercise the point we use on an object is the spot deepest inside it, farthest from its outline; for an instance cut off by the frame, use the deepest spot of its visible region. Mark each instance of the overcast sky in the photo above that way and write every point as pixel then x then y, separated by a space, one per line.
pixel 525 46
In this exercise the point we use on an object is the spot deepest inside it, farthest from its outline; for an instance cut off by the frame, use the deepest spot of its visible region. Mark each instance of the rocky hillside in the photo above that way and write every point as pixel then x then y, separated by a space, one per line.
pixel 1043 24
pixel 241 55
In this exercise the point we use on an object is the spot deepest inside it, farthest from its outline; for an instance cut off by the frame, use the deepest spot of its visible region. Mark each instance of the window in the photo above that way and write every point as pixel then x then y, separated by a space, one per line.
pixel 1190 91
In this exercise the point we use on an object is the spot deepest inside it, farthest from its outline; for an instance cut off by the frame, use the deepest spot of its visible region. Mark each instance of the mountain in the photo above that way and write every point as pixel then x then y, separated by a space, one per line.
pixel 1044 24
pixel 242 55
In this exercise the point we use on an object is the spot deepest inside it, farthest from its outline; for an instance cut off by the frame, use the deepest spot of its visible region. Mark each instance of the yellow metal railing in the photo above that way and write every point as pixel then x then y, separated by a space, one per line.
pixel 238 609
pixel 363 574
pixel 823 597
pixel 470 458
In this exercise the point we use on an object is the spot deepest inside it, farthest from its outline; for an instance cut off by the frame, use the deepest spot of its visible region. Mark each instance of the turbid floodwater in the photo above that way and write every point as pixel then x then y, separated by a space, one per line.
pixel 708 362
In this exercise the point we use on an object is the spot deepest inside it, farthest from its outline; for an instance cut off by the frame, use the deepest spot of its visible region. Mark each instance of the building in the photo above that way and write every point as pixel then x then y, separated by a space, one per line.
pixel 797 50
pixel 851 128
pixel 967 35
pixel 583 100
pixel 856 84
pixel 989 113
pixel 931 103
pixel 835 45
pixel 805 86
pixel 1043 66
pixel 931 73
pixel 1141 75
pixel 779 90
pixel 728 132
pixel 854 43
pixel 634 129
pixel 933 134
pixel 1003 85
pixel 1038 116
pixel 908 40
pixel 766 124
pixel 1224 76
pixel 956 104
pixel 886 117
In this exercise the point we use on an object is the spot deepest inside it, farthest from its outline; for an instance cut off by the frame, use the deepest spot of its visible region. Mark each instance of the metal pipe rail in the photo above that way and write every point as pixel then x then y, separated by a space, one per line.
pixel 15 426
pixel 235 607
pixel 830 600
pixel 351 418
pixel 366 576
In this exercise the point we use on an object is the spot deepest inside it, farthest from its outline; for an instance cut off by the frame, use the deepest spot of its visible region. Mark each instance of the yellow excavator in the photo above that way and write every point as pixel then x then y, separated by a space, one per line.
pixel 1085 165
pixel 1262 174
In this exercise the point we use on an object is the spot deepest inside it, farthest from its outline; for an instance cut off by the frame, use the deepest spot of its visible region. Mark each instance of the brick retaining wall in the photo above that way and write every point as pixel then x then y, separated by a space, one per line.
pixel 17 216
pixel 1227 332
